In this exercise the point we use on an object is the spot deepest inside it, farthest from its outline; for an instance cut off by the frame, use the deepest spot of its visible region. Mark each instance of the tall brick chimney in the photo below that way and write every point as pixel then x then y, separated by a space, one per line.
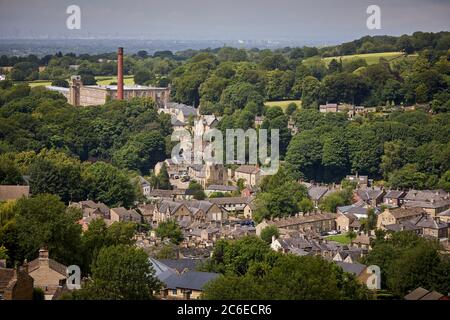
pixel 120 74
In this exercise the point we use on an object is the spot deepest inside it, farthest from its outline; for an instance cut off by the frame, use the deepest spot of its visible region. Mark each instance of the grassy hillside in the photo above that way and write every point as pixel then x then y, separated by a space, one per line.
pixel 283 104
pixel 101 80
pixel 371 58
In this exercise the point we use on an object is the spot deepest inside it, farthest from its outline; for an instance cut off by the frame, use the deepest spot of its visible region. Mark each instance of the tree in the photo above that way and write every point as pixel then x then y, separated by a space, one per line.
pixel 253 271
pixel 45 221
pixel 291 108
pixel 408 178
pixel 98 235
pixel 336 199
pixel 169 229
pixel 268 232
pixel 142 76
pixel 163 179
pixel 408 261
pixel 105 183
pixel 310 92
pixel 88 80
pixel 120 273
pixel 306 205
pixel 141 152
pixel 9 173
pixel 444 182
pixel 280 196
pixel 197 189
pixel 60 83
pixel 50 175
pixel 335 156
pixel 304 155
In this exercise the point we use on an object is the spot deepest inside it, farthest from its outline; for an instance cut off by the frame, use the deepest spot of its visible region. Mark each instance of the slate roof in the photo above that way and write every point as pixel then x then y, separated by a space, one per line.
pixel 219 187
pixel 403 212
pixel 167 193
pixel 185 109
pixel 162 271
pixel 125 213
pixel 356 208
pixel 423 294
pixel 96 205
pixel 303 219
pixel 316 193
pixel 248 169
pixel 354 268
pixel 428 204
pixel 181 265
pixel 230 200
pixel 193 280
pixel 394 194
pixel 445 213
pixel 176 123
pixel 426 195
pixel 369 194
pixel 198 204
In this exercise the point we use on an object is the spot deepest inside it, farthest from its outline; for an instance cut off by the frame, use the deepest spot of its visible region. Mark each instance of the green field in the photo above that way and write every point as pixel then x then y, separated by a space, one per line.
pixel 283 104
pixel 101 80
pixel 105 80
pixel 38 83
pixel 371 58
pixel 341 238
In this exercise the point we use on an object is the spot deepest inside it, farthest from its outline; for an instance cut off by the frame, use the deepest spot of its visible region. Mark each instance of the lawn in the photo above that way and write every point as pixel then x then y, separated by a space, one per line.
pixel 341 238
pixel 101 80
pixel 38 83
pixel 371 58
pixel 105 80
pixel 283 104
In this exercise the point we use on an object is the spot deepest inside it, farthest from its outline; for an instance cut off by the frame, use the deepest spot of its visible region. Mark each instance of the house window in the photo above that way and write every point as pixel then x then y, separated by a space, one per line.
pixel 174 292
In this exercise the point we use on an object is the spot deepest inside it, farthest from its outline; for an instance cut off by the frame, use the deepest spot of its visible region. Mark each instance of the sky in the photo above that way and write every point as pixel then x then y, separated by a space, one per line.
pixel 328 21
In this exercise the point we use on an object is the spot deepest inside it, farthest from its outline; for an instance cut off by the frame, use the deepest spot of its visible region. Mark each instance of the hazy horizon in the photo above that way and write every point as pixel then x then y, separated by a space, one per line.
pixel 319 22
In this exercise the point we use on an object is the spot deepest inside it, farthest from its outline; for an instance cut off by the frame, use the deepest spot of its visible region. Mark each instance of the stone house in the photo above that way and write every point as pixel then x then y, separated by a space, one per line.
pixel 347 222
pixel 249 209
pixel 444 216
pixel 146 211
pixel 47 273
pixel 180 283
pixel 358 209
pixel 232 204
pixel 357 269
pixel 145 186
pixel 397 215
pixel 361 181
pixel 121 214
pixel 424 225
pixel 15 284
pixel 251 175
pixel 394 198
pixel 313 223
pixel 432 201
pixel 370 196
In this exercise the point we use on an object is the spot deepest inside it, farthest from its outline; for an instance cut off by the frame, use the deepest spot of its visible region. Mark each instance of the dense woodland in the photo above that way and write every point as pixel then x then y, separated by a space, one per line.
pixel 71 154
